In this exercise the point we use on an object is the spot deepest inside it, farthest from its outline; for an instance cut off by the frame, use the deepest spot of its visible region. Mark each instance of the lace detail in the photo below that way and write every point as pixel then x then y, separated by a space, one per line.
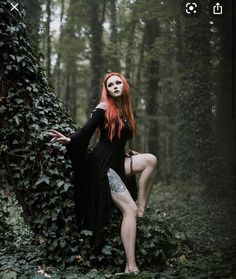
pixel 115 182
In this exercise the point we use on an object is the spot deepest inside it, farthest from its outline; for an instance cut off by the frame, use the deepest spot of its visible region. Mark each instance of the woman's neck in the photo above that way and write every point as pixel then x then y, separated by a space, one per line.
pixel 118 101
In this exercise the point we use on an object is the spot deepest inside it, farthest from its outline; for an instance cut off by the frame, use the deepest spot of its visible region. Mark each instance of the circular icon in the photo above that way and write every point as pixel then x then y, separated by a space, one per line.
pixel 217 8
pixel 191 8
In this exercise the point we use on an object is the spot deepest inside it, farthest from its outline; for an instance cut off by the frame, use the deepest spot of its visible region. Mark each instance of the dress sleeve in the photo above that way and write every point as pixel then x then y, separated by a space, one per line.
pixel 77 147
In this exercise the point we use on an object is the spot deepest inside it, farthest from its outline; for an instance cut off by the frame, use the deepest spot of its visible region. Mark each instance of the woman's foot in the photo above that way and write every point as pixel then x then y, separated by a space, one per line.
pixel 131 269
pixel 141 210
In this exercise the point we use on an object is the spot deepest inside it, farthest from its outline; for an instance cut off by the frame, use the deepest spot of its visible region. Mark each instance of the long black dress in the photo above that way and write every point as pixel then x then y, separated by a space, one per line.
pixel 92 191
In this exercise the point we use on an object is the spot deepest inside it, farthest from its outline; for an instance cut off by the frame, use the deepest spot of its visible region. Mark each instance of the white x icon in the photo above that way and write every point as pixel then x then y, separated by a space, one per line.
pixel 14 7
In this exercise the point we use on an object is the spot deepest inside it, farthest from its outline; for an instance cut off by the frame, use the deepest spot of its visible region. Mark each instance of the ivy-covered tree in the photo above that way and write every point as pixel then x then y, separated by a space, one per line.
pixel 35 170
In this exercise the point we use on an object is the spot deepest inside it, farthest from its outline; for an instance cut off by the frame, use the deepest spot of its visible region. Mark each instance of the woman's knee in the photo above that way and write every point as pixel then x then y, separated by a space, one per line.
pixel 152 160
pixel 132 209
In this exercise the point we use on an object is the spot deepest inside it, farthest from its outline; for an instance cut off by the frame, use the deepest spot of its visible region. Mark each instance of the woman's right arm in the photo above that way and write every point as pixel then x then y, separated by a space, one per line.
pixel 77 143
pixel 85 133
pixel 97 117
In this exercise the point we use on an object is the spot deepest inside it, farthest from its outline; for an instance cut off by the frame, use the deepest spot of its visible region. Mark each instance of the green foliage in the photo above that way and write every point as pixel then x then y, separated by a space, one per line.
pixel 6 235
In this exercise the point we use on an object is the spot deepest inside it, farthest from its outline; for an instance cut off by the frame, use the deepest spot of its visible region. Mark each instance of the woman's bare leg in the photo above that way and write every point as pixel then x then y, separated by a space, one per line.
pixel 146 165
pixel 126 204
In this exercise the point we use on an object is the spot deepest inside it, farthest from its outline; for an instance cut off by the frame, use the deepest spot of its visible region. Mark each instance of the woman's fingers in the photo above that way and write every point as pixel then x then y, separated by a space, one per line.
pixel 51 134
pixel 57 136
pixel 56 133
pixel 62 139
pixel 135 152
pixel 59 139
pixel 54 139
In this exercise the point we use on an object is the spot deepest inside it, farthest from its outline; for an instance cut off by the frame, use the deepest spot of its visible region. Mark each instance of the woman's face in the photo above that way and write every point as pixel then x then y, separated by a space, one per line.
pixel 114 86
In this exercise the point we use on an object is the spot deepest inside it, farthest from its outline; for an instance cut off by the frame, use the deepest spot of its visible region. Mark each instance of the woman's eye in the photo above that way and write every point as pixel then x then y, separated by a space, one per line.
pixel 118 82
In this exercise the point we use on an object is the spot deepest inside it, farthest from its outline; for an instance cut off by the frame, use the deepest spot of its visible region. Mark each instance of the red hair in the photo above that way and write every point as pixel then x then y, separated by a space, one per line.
pixel 113 112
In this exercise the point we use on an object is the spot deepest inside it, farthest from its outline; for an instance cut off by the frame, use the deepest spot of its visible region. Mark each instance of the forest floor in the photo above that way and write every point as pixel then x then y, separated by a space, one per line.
pixel 207 221
pixel 210 225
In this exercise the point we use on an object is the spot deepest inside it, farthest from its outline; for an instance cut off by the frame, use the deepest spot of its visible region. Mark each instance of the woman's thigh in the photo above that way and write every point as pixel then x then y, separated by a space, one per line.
pixel 120 194
pixel 140 162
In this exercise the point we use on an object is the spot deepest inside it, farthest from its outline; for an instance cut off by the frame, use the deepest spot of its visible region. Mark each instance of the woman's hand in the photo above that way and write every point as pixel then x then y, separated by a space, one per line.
pixel 56 136
pixel 130 152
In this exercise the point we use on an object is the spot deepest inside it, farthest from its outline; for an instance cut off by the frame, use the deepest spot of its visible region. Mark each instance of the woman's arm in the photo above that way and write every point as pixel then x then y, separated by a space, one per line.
pixel 96 118
pixel 77 143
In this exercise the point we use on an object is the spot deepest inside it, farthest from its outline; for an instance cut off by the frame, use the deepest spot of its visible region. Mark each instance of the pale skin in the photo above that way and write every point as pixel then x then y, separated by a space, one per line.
pixel 143 164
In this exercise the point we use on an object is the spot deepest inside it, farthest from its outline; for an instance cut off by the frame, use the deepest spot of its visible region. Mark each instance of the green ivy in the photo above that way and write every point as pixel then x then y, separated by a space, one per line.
pixel 6 232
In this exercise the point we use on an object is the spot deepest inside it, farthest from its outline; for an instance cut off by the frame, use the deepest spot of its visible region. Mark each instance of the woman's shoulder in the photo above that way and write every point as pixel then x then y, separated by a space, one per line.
pixel 101 105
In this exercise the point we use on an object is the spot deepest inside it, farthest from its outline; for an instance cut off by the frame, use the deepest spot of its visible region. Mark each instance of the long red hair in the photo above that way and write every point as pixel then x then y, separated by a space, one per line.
pixel 113 112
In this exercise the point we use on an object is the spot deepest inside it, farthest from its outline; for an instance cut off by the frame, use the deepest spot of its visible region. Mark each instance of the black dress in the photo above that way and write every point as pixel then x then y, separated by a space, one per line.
pixel 92 191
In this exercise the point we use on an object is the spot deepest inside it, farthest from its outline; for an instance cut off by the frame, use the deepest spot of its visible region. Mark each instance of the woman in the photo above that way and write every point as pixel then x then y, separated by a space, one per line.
pixel 101 176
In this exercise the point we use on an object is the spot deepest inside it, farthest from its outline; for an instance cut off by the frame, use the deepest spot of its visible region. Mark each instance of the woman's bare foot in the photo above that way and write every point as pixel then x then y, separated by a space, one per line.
pixel 126 268
pixel 141 210
pixel 131 269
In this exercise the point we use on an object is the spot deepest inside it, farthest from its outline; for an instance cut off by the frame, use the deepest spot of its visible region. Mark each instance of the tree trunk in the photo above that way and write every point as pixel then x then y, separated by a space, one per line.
pixel 130 49
pixel 114 53
pixel 225 120
pixel 48 39
pixel 151 73
pixel 31 166
pixel 57 69
pixel 195 141
pixel 33 12
pixel 96 45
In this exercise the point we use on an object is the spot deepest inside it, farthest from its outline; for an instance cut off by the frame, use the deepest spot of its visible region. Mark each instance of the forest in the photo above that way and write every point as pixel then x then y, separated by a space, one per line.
pixel 53 56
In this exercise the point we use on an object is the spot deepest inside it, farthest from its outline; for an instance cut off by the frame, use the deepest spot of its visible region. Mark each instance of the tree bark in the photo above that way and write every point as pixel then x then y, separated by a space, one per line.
pixel 97 13
pixel 114 53
pixel 151 73
pixel 48 39
pixel 195 140
pixel 33 11
pixel 57 69
pixel 225 121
